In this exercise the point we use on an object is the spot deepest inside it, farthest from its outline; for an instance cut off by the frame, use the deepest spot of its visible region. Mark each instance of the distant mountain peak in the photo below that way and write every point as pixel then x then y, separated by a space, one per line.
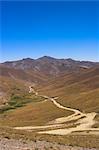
pixel 69 59
pixel 28 59
pixel 46 57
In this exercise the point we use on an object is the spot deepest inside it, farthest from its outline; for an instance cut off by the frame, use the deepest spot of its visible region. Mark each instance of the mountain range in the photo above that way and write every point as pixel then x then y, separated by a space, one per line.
pixel 44 67
pixel 66 78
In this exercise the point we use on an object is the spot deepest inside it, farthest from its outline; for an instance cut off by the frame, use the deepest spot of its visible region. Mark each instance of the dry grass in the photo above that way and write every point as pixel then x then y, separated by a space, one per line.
pixel 96 125
pixel 38 113
pixel 10 86
pixel 90 141
pixel 84 101
pixel 80 91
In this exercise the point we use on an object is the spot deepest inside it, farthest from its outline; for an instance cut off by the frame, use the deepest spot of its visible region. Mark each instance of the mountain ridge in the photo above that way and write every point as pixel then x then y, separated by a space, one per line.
pixel 49 57
pixel 49 66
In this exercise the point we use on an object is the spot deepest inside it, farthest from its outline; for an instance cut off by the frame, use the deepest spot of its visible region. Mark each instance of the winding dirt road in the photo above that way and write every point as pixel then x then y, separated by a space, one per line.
pixel 84 121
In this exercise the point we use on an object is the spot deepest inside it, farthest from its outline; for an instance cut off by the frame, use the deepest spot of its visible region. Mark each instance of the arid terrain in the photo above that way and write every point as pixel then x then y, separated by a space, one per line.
pixel 49 103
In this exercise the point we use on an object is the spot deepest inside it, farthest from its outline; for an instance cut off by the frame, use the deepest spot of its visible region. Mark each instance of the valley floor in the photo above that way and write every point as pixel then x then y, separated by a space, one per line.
pixel 54 135
pixel 84 121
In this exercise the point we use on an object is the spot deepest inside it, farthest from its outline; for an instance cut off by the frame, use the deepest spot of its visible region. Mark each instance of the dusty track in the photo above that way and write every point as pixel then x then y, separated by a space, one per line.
pixel 84 121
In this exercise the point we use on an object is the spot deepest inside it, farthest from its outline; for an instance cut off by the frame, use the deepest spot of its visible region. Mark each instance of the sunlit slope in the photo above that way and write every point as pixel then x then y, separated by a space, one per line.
pixel 9 87
pixel 20 74
pixel 80 91
pixel 38 112
pixel 13 81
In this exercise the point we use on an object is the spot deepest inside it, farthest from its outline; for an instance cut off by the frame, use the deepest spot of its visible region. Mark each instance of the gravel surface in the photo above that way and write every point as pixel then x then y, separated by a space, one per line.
pixel 12 144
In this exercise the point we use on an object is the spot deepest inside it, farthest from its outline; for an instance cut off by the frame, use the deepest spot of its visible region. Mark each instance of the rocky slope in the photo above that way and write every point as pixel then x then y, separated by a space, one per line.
pixel 50 66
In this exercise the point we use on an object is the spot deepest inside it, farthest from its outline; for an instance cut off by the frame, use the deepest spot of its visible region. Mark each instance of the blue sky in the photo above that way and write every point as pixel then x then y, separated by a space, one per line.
pixel 62 29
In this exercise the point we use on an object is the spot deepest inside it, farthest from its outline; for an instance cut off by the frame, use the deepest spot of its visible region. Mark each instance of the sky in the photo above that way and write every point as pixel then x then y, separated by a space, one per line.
pixel 61 29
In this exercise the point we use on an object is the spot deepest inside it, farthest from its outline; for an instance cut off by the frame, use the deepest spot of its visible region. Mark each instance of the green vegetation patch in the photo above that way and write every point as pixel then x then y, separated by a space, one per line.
pixel 19 101
pixel 6 108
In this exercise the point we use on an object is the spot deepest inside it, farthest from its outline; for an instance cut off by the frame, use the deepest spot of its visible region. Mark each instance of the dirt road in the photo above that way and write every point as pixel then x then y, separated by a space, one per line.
pixel 83 121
